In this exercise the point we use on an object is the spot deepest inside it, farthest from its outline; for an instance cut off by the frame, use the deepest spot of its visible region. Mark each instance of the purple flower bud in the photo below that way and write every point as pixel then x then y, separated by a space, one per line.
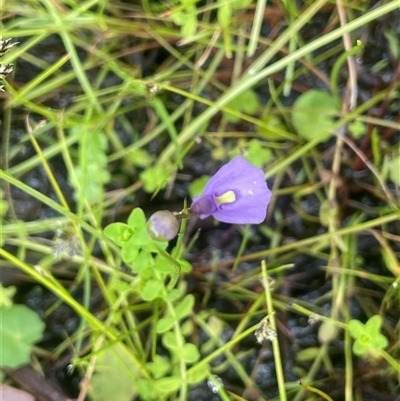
pixel 162 226
pixel 237 193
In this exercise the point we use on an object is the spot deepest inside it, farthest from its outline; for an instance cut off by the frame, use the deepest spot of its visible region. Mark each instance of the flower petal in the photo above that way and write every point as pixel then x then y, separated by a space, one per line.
pixel 236 194
pixel 237 173
pixel 246 210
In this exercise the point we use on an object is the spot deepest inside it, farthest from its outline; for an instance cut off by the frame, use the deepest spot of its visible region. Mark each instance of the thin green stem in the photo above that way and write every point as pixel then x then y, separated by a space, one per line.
pixel 275 343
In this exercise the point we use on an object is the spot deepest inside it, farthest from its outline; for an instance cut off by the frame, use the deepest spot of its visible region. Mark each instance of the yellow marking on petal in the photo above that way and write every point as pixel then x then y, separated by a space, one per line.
pixel 227 197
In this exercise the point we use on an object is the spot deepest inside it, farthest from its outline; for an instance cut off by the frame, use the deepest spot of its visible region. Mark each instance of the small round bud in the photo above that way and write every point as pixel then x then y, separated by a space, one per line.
pixel 162 226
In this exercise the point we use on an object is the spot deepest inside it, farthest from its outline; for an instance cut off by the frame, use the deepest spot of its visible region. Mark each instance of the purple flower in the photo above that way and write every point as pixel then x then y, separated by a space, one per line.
pixel 237 193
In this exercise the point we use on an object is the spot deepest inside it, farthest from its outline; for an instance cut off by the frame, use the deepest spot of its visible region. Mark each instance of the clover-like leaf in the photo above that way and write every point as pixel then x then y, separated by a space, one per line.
pixel 246 102
pixel 313 114
pixel 6 294
pixel 168 384
pixel 120 233
pixel 137 218
pixel 189 353
pixel 367 336
pixel 152 290
pixel 20 327
pixel 112 378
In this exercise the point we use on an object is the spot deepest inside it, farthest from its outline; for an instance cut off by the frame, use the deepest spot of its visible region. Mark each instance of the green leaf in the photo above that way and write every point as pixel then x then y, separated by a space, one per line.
pixel 92 172
pixel 154 246
pixel 224 13
pixel 115 375
pixel 368 336
pixel 189 27
pixel 164 266
pixel 129 253
pixel 379 342
pixel 356 328
pixel 238 4
pixel 186 266
pixel 246 102
pixel 313 113
pixel 146 390
pixel 6 294
pixel 140 237
pixel 357 128
pixel 373 324
pixel 160 367
pixel 155 178
pixel 189 353
pixel 169 341
pixel 359 348
pixel 256 153
pixel 271 125
pixel 197 375
pixel 20 327
pixel 142 260
pixel 168 384
pixel 164 324
pixel 137 219
pixel 152 289
pixel 140 157
pixel 307 354
pixel 187 328
pixel 173 295
pixel 184 307
pixel 179 18
pixel 120 233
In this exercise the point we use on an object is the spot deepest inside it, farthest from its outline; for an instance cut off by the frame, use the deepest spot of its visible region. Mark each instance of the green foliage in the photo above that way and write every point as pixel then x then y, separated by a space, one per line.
pixel 6 294
pixel 368 338
pixel 160 367
pixel 270 126
pixel 155 178
pixel 224 13
pixel 90 96
pixel 149 261
pixel 20 327
pixel 255 151
pixel 186 18
pixel 313 113
pixel 307 354
pixel 246 102
pixel 114 376
pixel 357 128
pixel 391 167
pixel 91 173
pixel 168 384
pixel 226 8
pixel 140 157
pixel 134 240
pixel 239 4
